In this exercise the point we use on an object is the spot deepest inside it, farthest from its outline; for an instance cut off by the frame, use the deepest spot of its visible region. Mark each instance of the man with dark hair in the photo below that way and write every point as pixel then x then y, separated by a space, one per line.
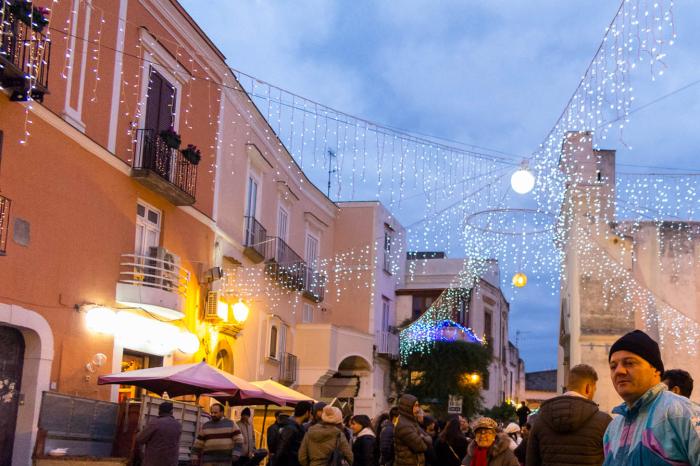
pixel 654 426
pixel 522 412
pixel 316 412
pixel 273 433
pixel 678 381
pixel 219 442
pixel 161 437
pixel 570 427
pixel 291 436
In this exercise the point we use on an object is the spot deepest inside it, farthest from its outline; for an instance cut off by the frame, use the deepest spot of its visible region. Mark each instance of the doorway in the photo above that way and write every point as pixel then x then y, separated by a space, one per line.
pixel 11 366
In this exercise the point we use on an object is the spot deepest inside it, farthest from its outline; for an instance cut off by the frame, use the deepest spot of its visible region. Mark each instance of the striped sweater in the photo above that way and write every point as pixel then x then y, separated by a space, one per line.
pixel 218 442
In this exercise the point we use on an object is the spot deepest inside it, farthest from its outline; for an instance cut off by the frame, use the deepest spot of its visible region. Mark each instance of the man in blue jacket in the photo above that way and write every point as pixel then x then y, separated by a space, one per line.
pixel 654 426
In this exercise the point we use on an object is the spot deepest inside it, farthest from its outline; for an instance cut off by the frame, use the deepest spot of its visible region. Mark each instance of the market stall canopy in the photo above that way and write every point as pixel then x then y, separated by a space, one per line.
pixel 189 379
pixel 290 397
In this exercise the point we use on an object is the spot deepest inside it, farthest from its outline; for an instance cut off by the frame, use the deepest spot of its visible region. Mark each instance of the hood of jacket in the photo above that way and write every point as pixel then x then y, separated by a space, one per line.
pixel 566 414
pixel 501 444
pixel 406 403
pixel 323 432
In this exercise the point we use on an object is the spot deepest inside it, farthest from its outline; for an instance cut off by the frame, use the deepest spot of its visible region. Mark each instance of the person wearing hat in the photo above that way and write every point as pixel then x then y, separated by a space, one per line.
pixel 488 447
pixel 324 439
pixel 512 430
pixel 654 426
pixel 410 441
pixel 161 438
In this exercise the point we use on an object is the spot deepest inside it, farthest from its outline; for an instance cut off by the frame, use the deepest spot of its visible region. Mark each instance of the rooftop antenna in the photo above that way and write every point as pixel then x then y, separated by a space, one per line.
pixel 517 337
pixel 331 170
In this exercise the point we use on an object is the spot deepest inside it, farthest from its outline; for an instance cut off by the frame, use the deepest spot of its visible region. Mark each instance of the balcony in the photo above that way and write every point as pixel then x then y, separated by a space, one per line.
pixel 314 285
pixel 288 369
pixel 388 345
pixel 24 54
pixel 155 283
pixel 255 240
pixel 4 223
pixel 163 169
pixel 285 265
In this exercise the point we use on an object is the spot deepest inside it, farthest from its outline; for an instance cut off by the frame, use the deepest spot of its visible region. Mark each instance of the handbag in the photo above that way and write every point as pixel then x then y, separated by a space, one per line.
pixel 336 458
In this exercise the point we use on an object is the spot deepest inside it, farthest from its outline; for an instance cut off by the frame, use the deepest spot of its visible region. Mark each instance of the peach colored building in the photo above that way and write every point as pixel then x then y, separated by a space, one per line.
pixel 105 216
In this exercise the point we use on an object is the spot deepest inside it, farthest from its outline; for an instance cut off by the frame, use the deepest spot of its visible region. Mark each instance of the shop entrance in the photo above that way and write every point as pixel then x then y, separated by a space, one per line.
pixel 11 365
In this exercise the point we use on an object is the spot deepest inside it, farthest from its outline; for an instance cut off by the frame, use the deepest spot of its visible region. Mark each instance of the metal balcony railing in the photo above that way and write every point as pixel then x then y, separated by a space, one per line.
pixel 288 369
pixel 255 239
pixel 314 285
pixel 285 265
pixel 388 344
pixel 24 56
pixel 4 222
pixel 177 174
pixel 156 272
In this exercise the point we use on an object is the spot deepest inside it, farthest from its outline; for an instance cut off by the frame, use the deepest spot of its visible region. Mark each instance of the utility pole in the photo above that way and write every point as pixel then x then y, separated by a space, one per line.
pixel 517 337
pixel 331 170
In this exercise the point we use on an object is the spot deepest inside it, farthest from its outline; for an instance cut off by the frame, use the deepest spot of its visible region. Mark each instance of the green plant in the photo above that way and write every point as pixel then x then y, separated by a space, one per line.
pixel 192 154
pixel 445 371
pixel 505 413
pixel 170 138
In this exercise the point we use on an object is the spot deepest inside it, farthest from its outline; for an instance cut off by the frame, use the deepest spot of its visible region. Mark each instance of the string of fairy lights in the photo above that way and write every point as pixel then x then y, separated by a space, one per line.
pixel 452 197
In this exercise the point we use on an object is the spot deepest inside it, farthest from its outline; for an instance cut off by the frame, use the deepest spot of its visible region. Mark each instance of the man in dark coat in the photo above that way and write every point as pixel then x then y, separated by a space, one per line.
pixel 522 412
pixel 386 438
pixel 162 438
pixel 291 436
pixel 410 442
pixel 569 428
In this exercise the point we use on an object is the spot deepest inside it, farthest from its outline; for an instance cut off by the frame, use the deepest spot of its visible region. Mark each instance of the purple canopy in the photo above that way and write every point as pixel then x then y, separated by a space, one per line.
pixel 189 379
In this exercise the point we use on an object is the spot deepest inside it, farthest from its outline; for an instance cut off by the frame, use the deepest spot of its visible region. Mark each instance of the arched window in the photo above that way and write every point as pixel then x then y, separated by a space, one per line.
pixel 273 342
pixel 224 361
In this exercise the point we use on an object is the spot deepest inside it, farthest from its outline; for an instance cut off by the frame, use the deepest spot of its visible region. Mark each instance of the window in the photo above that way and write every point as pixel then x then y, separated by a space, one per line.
pixel 251 207
pixel 311 251
pixel 160 102
pixel 386 313
pixel 422 302
pixel 282 224
pixel 148 220
pixel 488 330
pixel 388 238
pixel 307 314
pixel 273 342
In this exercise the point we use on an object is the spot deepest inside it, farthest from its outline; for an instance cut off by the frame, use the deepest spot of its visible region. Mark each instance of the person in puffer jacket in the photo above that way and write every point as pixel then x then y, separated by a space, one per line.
pixel 655 427
pixel 323 438
pixel 410 442
pixel 569 428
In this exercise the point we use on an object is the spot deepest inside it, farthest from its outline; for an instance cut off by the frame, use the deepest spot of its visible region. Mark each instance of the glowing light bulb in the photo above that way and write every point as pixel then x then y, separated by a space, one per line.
pixel 519 280
pixel 240 312
pixel 100 320
pixel 522 181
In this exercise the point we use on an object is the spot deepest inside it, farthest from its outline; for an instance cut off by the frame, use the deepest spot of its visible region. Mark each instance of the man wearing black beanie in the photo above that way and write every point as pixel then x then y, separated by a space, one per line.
pixel 654 426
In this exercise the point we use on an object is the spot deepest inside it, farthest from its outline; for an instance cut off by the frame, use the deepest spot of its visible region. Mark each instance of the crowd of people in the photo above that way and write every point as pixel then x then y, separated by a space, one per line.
pixel 656 424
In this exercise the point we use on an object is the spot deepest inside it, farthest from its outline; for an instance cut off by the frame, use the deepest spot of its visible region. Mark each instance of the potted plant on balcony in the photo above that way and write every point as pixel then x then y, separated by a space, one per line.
pixel 170 138
pixel 36 17
pixel 192 154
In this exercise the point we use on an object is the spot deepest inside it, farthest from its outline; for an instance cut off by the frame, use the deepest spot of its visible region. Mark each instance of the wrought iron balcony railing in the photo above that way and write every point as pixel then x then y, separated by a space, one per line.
pixel 288 369
pixel 255 240
pixel 388 344
pixel 163 168
pixel 314 285
pixel 4 222
pixel 25 54
pixel 288 268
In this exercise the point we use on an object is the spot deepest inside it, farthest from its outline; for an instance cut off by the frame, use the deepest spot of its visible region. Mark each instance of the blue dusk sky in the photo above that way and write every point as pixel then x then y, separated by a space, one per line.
pixel 493 74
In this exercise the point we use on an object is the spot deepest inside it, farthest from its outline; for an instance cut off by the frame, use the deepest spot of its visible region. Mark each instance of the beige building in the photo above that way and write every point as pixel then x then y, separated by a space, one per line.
pixel 485 310
pixel 622 275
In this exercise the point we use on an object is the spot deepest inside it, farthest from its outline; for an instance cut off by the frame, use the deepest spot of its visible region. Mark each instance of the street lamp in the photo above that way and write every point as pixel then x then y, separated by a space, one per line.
pixel 519 280
pixel 522 180
pixel 240 311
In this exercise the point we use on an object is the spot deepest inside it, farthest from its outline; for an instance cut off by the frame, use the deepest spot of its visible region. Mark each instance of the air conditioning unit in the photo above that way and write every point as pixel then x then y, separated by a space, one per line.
pixel 211 306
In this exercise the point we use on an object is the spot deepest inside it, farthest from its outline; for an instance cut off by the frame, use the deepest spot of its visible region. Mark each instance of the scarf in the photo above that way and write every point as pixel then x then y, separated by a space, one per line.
pixel 480 457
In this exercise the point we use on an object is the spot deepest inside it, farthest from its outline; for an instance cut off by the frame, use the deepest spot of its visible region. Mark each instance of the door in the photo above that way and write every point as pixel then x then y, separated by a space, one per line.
pixel 160 116
pixel 11 364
